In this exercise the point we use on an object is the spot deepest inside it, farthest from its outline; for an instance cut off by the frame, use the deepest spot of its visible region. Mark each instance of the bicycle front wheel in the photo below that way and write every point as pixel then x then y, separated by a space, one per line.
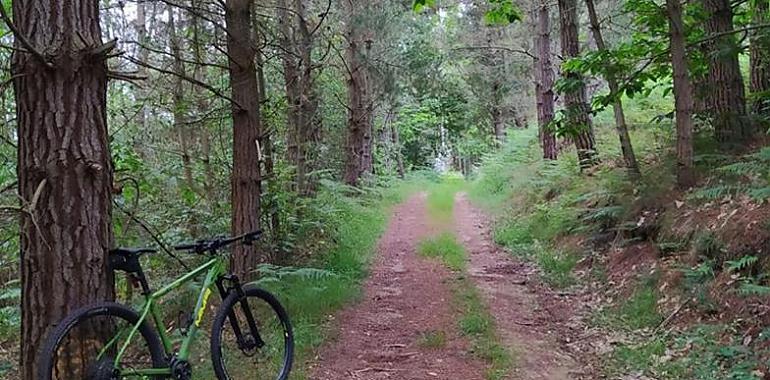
pixel 252 338
pixel 87 344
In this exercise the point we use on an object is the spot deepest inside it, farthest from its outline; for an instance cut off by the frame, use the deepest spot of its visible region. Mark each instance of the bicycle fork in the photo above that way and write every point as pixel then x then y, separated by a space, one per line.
pixel 253 340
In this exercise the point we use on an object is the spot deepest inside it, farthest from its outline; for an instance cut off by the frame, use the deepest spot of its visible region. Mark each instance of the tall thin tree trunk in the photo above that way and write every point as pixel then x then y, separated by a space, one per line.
pixel 397 146
pixel 620 119
pixel 202 105
pixel 760 62
pixel 498 121
pixel 267 148
pixel 64 167
pixel 726 94
pixel 358 160
pixel 143 53
pixel 183 131
pixel 246 181
pixel 682 96
pixel 297 41
pixel 544 82
pixel 575 100
pixel 291 73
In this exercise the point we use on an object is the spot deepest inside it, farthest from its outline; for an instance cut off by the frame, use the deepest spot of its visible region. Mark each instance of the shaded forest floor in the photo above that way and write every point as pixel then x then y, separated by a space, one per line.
pixel 444 301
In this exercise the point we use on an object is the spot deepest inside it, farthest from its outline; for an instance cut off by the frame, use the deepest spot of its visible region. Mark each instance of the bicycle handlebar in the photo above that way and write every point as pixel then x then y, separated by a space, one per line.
pixel 211 245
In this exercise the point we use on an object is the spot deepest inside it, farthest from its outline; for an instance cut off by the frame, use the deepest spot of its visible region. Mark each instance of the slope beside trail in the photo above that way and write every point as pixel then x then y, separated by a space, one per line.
pixel 405 299
pixel 532 321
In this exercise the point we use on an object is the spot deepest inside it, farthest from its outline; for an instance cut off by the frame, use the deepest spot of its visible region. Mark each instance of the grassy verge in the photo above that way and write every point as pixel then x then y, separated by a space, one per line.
pixel 474 320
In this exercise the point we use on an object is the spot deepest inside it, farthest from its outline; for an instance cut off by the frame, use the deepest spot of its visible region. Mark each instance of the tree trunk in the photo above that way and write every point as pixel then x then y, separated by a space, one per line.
pixel 760 63
pixel 358 159
pixel 64 167
pixel 575 102
pixel 247 128
pixel 397 147
pixel 682 96
pixel 544 83
pixel 620 119
pixel 202 104
pixel 304 123
pixel 181 127
pixel 267 144
pixel 726 94
pixel 498 121
pixel 141 36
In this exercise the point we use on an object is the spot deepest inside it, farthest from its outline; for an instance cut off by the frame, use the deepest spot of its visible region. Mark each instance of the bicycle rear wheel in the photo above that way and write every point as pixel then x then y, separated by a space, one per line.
pixel 266 356
pixel 85 344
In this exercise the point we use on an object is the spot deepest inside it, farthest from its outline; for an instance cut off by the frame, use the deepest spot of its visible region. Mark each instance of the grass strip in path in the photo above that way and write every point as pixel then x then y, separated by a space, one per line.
pixel 474 320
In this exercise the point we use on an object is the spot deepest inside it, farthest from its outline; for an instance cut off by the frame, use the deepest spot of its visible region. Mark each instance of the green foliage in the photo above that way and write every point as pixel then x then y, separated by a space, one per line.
pixel 708 245
pixel 445 247
pixel 503 12
pixel 418 5
pixel 478 325
pixel 432 339
pixel 748 176
pixel 743 263
pixel 557 266
pixel 637 311
pixel 441 199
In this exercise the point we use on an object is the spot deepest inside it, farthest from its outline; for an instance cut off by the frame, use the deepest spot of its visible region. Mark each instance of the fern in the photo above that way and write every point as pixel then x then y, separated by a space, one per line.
pixel 743 263
pixel 749 289
pixel 716 192
pixel 746 168
pixel 759 193
pixel 273 273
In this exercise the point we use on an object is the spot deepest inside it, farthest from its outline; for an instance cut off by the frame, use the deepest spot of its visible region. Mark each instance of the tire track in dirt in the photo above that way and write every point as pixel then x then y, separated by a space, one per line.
pixel 524 324
pixel 405 297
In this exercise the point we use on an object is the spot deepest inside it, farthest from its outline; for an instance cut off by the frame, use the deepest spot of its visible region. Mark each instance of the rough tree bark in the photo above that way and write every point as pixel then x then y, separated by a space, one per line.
pixel 544 82
pixel 617 106
pixel 682 96
pixel 64 167
pixel 575 101
pixel 726 100
pixel 246 178
pixel 760 62
pixel 358 160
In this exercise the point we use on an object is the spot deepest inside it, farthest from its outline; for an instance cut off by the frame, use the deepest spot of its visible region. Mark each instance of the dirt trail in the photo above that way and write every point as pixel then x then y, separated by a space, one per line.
pixel 530 319
pixel 404 298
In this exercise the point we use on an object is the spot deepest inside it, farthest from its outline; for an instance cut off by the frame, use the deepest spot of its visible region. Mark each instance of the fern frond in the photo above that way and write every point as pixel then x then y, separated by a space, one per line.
pixel 716 192
pixel 749 289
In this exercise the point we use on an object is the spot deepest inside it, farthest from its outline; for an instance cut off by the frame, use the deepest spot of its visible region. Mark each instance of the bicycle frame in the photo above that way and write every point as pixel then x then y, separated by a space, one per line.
pixel 215 268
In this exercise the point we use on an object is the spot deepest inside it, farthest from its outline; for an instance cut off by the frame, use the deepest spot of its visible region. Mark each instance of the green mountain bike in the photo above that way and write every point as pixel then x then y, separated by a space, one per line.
pixel 251 336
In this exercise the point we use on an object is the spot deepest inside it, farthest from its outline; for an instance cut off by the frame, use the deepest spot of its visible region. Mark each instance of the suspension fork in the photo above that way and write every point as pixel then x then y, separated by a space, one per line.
pixel 235 285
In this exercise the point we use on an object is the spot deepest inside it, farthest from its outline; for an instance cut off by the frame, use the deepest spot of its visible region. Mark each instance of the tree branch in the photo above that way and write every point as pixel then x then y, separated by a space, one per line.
pixel 186 78
pixel 519 51
pixel 23 40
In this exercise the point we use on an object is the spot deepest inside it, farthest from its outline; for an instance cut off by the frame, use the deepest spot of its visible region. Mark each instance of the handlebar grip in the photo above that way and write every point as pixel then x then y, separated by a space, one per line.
pixel 186 247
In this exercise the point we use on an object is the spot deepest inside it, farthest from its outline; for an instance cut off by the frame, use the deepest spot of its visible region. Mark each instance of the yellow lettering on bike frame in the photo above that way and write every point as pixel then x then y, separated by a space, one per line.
pixel 202 310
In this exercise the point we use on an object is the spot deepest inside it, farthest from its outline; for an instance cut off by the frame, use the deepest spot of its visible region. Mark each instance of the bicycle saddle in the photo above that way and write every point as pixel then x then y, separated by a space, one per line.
pixel 127 259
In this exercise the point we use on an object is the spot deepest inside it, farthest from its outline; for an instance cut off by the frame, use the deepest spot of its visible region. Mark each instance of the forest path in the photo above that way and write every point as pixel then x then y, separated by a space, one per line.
pixel 528 317
pixel 406 299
